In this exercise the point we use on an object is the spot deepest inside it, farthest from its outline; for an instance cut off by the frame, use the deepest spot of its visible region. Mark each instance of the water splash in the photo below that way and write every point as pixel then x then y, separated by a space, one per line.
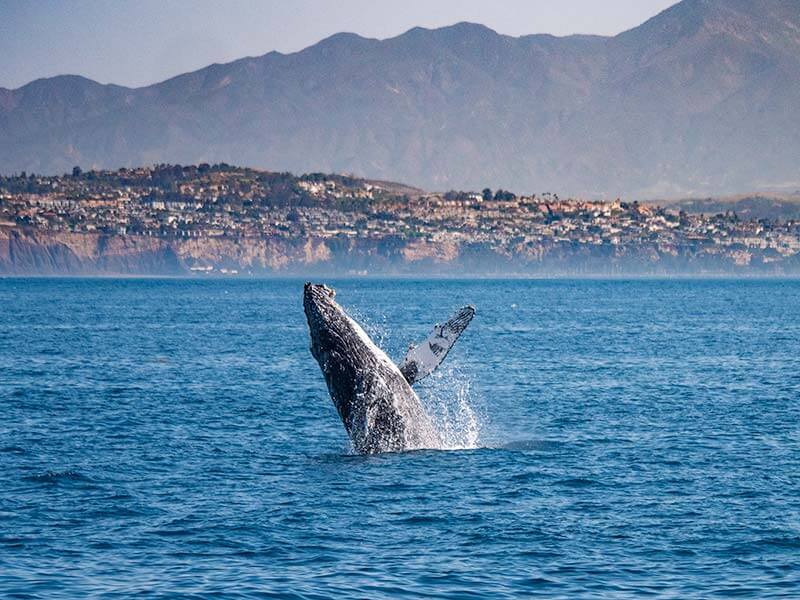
pixel 447 396
pixel 378 331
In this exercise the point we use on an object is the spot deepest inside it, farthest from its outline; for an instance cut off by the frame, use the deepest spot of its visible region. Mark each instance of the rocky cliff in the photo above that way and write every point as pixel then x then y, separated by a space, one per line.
pixel 34 252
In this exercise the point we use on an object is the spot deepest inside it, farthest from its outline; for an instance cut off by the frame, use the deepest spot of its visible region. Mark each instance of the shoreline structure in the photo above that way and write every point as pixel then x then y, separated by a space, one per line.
pixel 199 220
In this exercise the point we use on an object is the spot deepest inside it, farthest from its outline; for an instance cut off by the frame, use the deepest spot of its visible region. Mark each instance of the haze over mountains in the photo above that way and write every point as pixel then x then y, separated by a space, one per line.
pixel 704 98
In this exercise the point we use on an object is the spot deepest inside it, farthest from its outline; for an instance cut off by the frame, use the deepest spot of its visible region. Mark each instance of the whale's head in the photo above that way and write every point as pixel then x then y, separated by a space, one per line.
pixel 327 322
pixel 340 347
pixel 379 409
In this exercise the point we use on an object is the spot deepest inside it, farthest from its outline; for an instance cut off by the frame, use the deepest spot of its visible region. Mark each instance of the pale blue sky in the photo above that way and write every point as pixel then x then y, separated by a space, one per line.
pixel 144 41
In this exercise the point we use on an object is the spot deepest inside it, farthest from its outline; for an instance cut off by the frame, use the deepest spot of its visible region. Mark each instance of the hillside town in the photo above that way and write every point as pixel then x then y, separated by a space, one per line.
pixel 221 201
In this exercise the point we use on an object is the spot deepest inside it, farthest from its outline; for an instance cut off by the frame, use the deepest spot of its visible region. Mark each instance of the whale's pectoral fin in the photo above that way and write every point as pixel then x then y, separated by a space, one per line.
pixel 423 359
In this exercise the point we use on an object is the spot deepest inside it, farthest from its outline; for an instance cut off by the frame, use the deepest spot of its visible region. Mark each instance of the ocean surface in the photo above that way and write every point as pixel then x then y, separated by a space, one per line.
pixel 174 438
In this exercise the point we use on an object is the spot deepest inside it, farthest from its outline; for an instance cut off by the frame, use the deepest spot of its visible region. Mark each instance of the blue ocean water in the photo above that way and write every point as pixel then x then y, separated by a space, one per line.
pixel 174 438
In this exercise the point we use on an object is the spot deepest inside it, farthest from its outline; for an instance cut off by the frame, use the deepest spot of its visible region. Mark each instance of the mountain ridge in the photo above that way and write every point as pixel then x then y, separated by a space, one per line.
pixel 673 107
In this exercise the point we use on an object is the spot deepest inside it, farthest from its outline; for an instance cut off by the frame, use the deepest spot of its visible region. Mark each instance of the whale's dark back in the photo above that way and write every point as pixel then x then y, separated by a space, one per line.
pixel 380 411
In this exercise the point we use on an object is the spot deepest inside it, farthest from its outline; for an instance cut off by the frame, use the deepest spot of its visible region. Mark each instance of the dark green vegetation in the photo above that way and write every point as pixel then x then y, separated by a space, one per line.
pixel 174 183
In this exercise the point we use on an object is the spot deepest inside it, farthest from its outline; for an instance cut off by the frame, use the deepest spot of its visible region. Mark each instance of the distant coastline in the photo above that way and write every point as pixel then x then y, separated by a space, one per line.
pixel 220 220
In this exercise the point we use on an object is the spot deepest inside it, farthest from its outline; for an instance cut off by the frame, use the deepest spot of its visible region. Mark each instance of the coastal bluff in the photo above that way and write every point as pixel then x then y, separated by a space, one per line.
pixel 32 252
pixel 28 251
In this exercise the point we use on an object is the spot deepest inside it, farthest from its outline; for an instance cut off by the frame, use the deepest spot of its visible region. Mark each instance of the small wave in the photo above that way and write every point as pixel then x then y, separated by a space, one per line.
pixel 578 482
pixel 532 446
pixel 173 533
pixel 57 476
pixel 526 477
pixel 788 543
pixel 12 450
pixel 539 582
pixel 423 520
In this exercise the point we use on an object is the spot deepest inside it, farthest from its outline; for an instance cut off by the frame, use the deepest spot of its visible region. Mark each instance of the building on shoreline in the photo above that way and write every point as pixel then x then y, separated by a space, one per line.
pixel 178 204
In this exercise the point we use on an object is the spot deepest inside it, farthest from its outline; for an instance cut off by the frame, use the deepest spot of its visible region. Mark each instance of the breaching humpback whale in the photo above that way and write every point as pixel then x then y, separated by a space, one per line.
pixel 373 396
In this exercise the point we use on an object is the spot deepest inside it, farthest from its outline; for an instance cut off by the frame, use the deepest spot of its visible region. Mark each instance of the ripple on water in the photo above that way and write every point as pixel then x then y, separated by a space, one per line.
pixel 58 477
pixel 179 441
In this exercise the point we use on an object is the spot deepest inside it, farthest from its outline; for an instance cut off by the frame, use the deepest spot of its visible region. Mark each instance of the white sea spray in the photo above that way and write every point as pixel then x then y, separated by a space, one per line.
pixel 446 394
pixel 447 397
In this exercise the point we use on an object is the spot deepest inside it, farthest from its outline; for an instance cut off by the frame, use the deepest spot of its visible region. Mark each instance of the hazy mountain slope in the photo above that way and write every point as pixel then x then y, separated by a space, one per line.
pixel 702 98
